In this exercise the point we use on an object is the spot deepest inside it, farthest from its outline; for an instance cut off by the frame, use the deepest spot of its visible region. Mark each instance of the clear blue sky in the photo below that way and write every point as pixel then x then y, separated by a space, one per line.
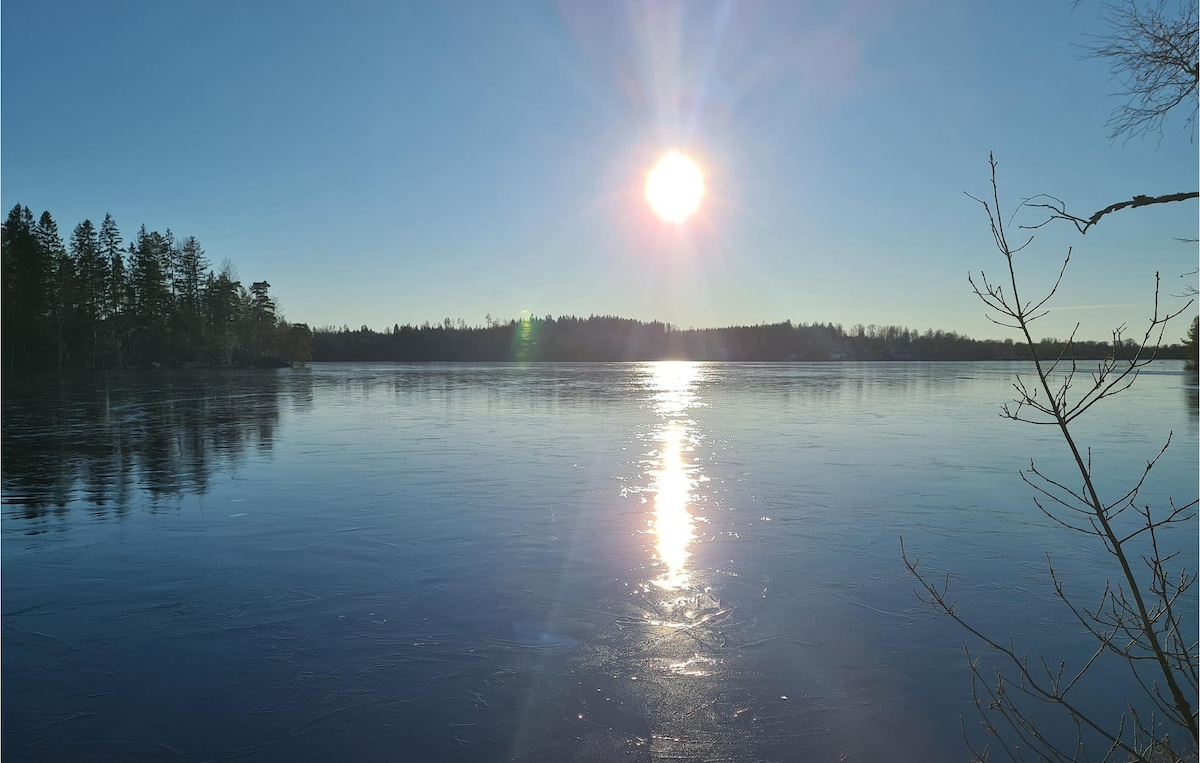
pixel 393 162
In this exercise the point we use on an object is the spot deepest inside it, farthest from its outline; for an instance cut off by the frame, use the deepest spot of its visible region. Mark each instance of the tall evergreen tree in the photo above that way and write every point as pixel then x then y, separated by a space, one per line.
pixel 169 262
pixel 115 299
pixel 262 320
pixel 27 275
pixel 150 294
pixel 189 324
pixel 223 312
pixel 93 290
pixel 64 286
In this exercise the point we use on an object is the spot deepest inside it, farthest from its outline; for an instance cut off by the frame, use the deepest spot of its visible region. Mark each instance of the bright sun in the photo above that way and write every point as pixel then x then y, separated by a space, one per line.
pixel 674 187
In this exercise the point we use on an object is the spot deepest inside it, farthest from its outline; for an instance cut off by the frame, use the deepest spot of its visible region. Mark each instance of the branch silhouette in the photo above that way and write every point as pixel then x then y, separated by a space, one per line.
pixel 1058 209
pixel 1136 618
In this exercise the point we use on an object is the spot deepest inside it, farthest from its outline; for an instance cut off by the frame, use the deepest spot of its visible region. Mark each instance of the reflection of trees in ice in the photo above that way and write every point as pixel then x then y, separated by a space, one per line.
pixel 101 438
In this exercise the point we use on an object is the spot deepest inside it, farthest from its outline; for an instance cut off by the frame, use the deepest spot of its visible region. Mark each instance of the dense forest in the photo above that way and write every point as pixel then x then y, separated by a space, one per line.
pixel 617 339
pixel 93 303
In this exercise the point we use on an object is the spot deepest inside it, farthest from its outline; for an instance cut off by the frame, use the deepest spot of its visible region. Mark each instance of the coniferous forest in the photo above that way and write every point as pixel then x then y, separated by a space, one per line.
pixel 93 302
pixel 606 338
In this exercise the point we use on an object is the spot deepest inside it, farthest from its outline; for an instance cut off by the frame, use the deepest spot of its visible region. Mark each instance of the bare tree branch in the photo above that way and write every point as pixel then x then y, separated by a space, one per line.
pixel 1151 50
pixel 1059 210
pixel 1135 619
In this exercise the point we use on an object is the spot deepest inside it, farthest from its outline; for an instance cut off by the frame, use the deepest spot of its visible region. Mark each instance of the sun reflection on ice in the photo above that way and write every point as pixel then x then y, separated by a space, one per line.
pixel 673 523
pixel 674 383
pixel 674 477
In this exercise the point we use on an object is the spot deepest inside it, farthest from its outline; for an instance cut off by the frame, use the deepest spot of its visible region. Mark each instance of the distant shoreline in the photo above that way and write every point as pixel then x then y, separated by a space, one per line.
pixel 609 339
pixel 467 361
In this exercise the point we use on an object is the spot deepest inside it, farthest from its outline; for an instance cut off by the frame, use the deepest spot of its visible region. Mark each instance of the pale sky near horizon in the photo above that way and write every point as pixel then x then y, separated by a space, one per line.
pixel 390 162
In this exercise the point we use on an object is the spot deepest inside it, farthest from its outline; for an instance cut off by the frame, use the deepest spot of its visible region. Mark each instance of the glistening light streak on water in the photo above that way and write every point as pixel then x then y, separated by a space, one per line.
pixel 673 478
pixel 673 523
pixel 674 383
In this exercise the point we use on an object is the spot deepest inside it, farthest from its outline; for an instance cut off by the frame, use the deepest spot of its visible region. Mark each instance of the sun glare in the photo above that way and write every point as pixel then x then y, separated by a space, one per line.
pixel 675 187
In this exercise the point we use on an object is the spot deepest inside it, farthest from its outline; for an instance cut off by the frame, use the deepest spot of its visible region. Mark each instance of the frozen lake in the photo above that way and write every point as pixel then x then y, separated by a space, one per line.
pixel 645 561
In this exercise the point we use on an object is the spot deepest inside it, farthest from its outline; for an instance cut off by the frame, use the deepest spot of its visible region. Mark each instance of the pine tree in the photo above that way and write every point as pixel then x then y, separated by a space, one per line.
pixel 93 290
pixel 222 313
pixel 189 324
pixel 115 298
pixel 262 320
pixel 64 285
pixel 150 295
pixel 27 275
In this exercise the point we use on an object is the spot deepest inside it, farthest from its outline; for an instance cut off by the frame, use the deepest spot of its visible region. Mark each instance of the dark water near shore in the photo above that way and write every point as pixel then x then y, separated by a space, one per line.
pixel 674 561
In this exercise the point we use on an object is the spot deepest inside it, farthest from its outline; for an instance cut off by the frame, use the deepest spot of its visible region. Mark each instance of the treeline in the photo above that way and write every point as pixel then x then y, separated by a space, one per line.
pixel 94 303
pixel 606 338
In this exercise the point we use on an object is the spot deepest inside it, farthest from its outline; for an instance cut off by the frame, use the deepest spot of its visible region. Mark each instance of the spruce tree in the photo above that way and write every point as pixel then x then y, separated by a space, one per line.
pixel 27 275
pixel 93 290
pixel 223 313
pixel 63 288
pixel 114 299
pixel 151 298
pixel 189 324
